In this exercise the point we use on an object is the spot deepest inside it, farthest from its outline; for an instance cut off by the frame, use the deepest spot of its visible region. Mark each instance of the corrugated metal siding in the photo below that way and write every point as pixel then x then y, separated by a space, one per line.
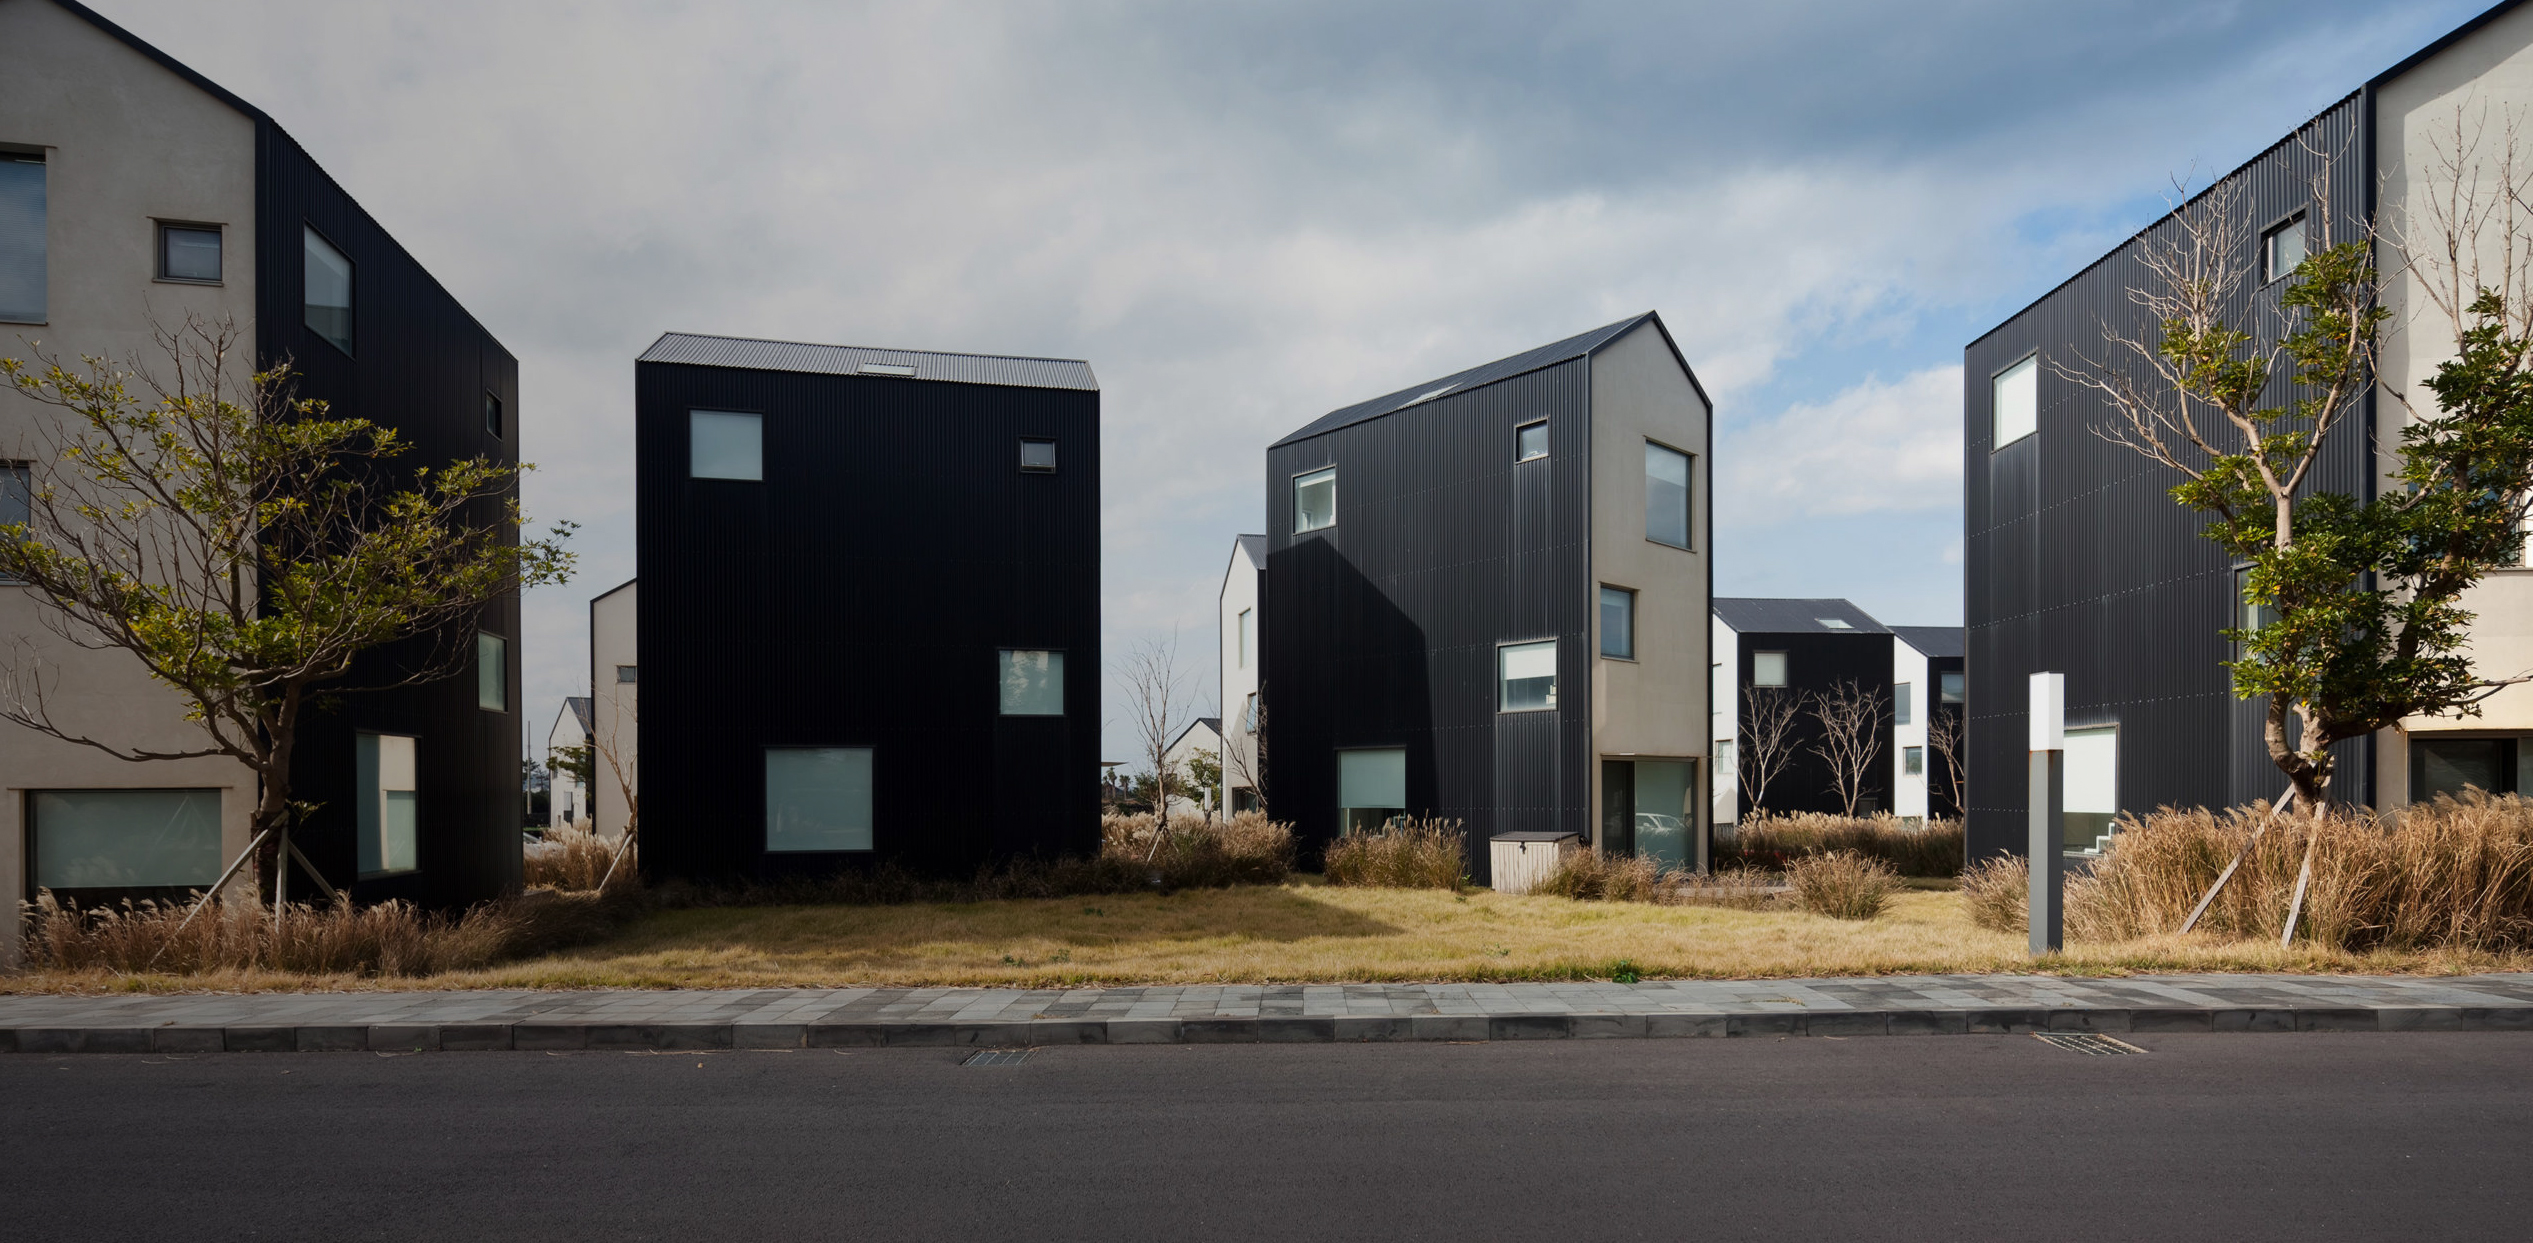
pixel 742 352
pixel 858 596
pixel 1578 346
pixel 1816 661
pixel 2078 560
pixel 422 367
pixel 1382 630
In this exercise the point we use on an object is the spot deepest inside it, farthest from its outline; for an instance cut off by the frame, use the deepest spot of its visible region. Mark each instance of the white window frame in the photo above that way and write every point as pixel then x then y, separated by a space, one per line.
pixel 2014 402
pixel 1503 685
pixel 1544 443
pixel 1309 478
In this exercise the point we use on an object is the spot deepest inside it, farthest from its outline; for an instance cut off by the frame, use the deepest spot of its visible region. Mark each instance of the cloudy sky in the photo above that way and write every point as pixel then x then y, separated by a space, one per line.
pixel 1246 215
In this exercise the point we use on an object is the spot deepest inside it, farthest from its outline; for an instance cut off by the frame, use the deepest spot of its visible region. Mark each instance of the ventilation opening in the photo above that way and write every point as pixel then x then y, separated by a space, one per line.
pixel 887 369
pixel 2087 1043
pixel 996 1057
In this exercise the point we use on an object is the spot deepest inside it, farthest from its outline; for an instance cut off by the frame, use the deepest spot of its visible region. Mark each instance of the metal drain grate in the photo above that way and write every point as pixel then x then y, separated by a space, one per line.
pixel 996 1057
pixel 2087 1043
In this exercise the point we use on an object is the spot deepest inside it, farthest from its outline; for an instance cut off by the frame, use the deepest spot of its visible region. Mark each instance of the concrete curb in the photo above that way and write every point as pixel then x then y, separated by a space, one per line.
pixel 1322 1029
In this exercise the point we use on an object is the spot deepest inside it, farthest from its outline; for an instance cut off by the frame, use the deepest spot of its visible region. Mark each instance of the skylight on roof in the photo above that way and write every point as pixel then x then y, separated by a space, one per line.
pixel 1833 623
pixel 887 369
pixel 1425 397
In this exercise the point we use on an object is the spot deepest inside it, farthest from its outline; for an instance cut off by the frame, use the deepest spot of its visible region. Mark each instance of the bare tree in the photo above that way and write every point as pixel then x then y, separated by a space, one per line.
pixel 1851 715
pixel 1767 738
pixel 617 750
pixel 1244 748
pixel 1944 738
pixel 1155 697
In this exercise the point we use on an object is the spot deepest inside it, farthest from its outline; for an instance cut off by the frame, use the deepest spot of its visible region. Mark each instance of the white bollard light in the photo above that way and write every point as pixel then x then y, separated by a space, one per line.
pixel 2047 799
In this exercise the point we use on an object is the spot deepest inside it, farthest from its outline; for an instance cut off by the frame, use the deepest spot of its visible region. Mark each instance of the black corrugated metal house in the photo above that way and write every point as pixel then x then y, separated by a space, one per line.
pixel 170 197
pixel 1485 599
pixel 2077 559
pixel 869 612
pixel 1790 652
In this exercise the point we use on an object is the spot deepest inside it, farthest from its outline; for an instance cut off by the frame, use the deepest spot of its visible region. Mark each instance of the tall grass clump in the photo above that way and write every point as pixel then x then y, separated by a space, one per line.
pixel 1771 840
pixel 1843 884
pixel 1997 893
pixel 1587 876
pixel 2453 874
pixel 572 859
pixel 1407 853
pixel 385 939
pixel 1197 853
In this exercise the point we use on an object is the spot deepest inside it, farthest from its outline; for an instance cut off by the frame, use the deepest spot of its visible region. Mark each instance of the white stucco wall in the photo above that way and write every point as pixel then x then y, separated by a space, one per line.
pixel 1655 706
pixel 615 708
pixel 126 144
pixel 1239 677
pixel 1724 717
pixel 567 801
pixel 1908 668
pixel 2489 76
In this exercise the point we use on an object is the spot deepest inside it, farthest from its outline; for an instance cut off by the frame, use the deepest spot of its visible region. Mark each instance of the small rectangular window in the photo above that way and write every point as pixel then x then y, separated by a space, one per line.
pixel 2282 249
pixel 1530 440
pixel 1315 501
pixel 1249 713
pixel 17 499
pixel 1900 704
pixel 2016 411
pixel 326 282
pixel 1949 690
pixel 1666 495
pixel 817 798
pixel 725 445
pixel 1526 677
pixel 494 424
pixel 626 674
pixel 492 672
pixel 389 819
pixel 189 252
pixel 1371 787
pixel 125 839
pixel 1244 633
pixel 1618 623
pixel 1767 668
pixel 1913 761
pixel 1037 457
pixel 1032 682
pixel 22 276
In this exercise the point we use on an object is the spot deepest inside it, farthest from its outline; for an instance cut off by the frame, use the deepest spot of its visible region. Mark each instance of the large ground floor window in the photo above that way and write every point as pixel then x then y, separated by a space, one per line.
pixel 124 839
pixel 817 798
pixel 2092 787
pixel 1649 808
pixel 1371 787
pixel 2441 765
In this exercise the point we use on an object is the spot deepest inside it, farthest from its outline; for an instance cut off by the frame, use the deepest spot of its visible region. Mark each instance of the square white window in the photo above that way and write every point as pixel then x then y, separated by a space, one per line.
pixel 1037 457
pixel 1618 623
pixel 189 252
pixel 125 839
pixel 2282 249
pixel 1032 682
pixel 723 444
pixel 22 276
pixel 1315 501
pixel 817 798
pixel 1526 677
pixel 326 290
pixel 1900 704
pixel 1666 495
pixel 389 819
pixel 492 672
pixel 1948 689
pixel 2016 408
pixel 1767 668
pixel 1913 761
pixel 1530 440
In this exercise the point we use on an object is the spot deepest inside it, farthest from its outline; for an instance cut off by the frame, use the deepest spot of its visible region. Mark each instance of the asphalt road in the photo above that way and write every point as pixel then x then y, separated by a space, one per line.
pixel 2314 1136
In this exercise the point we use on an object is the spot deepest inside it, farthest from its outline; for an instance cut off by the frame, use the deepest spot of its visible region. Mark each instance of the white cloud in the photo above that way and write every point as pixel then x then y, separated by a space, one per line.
pixel 1878 447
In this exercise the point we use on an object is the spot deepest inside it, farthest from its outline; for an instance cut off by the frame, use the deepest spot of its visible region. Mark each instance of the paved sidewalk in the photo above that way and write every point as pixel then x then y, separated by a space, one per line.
pixel 783 1018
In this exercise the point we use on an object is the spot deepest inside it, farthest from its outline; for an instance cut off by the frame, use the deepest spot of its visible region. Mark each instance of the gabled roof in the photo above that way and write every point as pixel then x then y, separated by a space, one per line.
pixel 165 61
pixel 579 706
pixel 1210 724
pixel 1931 640
pixel 751 354
pixel 1762 615
pixel 1255 546
pixel 1523 363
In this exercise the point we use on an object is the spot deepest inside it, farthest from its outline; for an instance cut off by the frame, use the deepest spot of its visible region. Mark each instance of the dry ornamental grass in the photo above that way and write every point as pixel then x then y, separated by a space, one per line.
pixel 1408 853
pixel 1588 876
pixel 1776 841
pixel 392 939
pixel 1843 884
pixel 572 859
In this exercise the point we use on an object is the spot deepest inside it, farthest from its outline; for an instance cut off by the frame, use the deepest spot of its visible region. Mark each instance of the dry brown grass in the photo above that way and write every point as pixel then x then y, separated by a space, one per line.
pixel 571 859
pixel 1996 894
pixel 1843 884
pixel 393 939
pixel 1587 876
pixel 1246 849
pixel 1776 841
pixel 1409 853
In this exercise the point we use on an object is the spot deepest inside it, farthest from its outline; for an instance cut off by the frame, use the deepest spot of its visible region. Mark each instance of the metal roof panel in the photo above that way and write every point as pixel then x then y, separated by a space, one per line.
pixel 752 354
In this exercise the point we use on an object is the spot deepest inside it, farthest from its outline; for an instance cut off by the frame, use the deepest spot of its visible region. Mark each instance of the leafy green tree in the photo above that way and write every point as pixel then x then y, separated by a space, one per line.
pixel 2353 604
pixel 258 556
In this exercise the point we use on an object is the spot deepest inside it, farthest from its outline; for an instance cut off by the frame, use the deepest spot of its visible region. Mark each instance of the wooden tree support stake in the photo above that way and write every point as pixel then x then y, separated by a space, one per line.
pixel 2228 873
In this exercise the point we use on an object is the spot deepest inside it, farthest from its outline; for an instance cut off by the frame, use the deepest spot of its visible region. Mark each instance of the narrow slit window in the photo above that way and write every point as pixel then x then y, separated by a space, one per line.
pixel 492 672
pixel 189 252
pixel 1246 633
pixel 22 276
pixel 1618 623
pixel 1900 705
pixel 389 815
pixel 1315 501
pixel 17 499
pixel 326 281
pixel 495 425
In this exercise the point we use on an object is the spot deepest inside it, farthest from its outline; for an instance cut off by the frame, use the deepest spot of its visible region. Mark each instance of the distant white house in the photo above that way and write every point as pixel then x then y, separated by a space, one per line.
pixel 615 702
pixel 1926 693
pixel 1238 614
pixel 568 803
pixel 1203 736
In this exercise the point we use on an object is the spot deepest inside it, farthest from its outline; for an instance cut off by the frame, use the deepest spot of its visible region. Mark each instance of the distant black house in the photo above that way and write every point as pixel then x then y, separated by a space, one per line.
pixel 869 612
pixel 1485 600
pixel 1793 651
